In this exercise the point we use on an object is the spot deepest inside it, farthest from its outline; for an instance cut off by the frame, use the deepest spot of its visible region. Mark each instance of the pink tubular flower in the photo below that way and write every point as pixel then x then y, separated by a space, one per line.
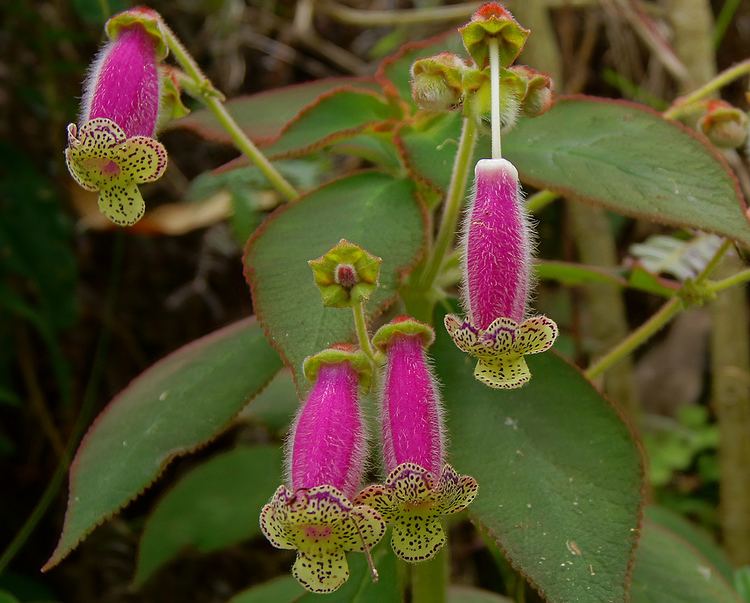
pixel 497 269
pixel 419 489
pixel 327 456
pixel 112 150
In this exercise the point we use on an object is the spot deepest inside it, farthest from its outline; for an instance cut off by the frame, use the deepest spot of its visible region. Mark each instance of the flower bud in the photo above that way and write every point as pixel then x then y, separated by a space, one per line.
pixel 436 83
pixel 492 20
pixel 346 274
pixel 537 95
pixel 316 516
pixel 412 421
pixel 497 275
pixel 724 125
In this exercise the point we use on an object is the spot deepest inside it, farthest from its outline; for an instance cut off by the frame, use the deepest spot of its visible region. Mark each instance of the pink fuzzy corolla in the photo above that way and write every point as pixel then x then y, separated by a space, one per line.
pixel 497 280
pixel 123 84
pixel 329 442
pixel 412 422
pixel 315 516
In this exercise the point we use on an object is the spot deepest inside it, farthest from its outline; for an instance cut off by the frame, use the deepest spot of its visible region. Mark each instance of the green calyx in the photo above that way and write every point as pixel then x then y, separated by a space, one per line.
pixel 403 326
pixel 147 18
pixel 171 106
pixel 346 274
pixel 493 21
pixel 535 90
pixel 356 358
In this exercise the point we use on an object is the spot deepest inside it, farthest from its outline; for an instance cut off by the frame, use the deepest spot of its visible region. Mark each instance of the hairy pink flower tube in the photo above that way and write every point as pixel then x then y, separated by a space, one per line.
pixel 326 462
pixel 123 83
pixel 419 489
pixel 497 280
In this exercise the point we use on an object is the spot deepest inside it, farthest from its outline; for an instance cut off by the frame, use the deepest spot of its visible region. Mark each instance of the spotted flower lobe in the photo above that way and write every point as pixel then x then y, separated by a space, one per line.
pixel 501 347
pixel 413 500
pixel 322 525
pixel 101 158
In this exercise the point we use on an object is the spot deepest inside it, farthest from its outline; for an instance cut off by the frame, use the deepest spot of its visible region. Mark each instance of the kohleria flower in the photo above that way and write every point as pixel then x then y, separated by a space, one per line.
pixel 326 462
pixel 112 150
pixel 497 275
pixel 419 489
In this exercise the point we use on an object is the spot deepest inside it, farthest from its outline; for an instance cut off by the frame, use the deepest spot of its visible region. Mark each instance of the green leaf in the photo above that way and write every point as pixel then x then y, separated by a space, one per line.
pixel 742 582
pixel 335 116
pixel 373 210
pixel 262 116
pixel 276 405
pixel 281 590
pixel 569 274
pixel 668 570
pixel 178 404
pixel 559 474
pixel 468 594
pixel 214 506
pixel 694 535
pixel 610 153
pixel 670 255
pixel 6 597
pixel 629 159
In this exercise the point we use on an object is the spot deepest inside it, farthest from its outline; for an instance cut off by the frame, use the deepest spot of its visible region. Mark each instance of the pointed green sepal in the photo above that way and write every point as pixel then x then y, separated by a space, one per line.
pixel 493 21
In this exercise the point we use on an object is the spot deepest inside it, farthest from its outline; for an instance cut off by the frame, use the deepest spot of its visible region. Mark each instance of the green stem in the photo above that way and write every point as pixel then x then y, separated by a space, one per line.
pixel 205 92
pixel 409 16
pixel 453 202
pixel 429 579
pixel 731 281
pixel 725 77
pixel 538 201
pixel 654 324
pixel 361 326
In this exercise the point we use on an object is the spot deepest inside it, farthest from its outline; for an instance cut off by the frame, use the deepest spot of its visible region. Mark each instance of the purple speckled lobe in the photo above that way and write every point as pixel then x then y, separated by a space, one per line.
pixel 497 257
pixel 123 84
pixel 412 417
pixel 328 446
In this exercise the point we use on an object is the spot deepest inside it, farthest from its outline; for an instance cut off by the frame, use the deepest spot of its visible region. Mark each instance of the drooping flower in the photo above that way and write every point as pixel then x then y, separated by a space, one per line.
pixel 420 489
pixel 497 279
pixel 315 514
pixel 112 149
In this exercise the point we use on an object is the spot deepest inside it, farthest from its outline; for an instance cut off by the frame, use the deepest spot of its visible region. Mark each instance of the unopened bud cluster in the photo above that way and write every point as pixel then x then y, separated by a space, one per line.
pixel 446 82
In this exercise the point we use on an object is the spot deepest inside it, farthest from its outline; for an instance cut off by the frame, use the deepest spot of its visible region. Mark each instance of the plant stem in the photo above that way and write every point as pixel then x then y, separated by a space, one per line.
pixel 429 579
pixel 725 77
pixel 360 325
pixel 654 324
pixel 453 202
pixel 409 16
pixel 538 201
pixel 736 279
pixel 494 48
pixel 730 398
pixel 205 92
